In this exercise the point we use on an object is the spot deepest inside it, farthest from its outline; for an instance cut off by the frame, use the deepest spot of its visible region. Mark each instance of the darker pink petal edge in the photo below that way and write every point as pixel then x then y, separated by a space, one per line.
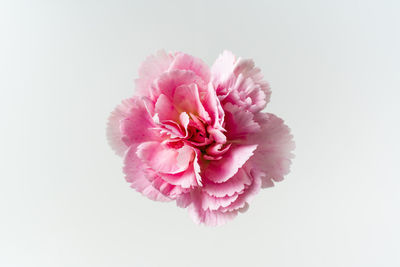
pixel 197 135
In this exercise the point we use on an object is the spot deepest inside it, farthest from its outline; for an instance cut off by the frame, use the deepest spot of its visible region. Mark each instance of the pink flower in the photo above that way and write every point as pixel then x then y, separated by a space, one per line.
pixel 197 135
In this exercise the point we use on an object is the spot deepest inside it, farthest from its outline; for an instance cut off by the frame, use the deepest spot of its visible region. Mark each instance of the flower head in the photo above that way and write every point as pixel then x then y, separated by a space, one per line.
pixel 197 135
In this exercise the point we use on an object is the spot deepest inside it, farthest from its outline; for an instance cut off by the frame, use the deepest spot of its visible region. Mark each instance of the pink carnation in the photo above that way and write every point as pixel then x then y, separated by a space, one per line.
pixel 198 135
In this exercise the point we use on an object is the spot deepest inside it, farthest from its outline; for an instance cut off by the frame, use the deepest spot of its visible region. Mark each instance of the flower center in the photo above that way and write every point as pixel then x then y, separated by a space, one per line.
pixel 211 142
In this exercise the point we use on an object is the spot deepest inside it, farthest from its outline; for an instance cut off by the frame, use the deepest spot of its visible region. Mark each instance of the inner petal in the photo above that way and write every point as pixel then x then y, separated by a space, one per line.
pixel 163 158
pixel 187 98
pixel 165 109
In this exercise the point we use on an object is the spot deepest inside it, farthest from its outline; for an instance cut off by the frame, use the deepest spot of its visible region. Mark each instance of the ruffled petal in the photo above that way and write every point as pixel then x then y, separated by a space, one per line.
pixel 239 82
pixel 184 61
pixel 250 85
pixel 239 123
pixel 247 194
pixel 221 170
pixel 150 70
pixel 207 217
pixel 134 170
pixel 165 109
pixel 209 202
pixel 213 106
pixel 167 189
pixel 274 153
pixel 187 99
pixel 168 82
pixel 221 72
pixel 184 200
pixel 234 185
pixel 162 158
pixel 187 179
pixel 129 123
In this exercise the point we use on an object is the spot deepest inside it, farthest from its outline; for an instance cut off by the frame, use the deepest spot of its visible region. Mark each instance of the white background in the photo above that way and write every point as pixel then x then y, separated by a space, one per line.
pixel 334 68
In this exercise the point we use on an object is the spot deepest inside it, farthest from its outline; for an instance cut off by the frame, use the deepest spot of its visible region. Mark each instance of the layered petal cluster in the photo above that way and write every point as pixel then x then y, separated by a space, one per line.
pixel 197 135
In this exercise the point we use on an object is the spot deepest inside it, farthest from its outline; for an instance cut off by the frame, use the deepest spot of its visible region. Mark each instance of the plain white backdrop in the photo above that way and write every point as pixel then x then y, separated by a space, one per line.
pixel 334 68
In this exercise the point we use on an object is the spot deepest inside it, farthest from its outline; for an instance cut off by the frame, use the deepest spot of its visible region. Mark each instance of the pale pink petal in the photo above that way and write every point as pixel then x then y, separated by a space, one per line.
pixel 207 217
pixel 239 123
pixel 184 119
pixel 129 123
pixel 134 170
pixel 221 72
pixel 167 189
pixel 150 70
pixel 173 129
pixel 236 184
pixel 168 82
pixel 217 149
pixel 221 170
pixel 260 94
pixel 213 106
pixel 187 99
pixel 246 196
pixel 248 94
pixel 165 109
pixel 184 200
pixel 217 135
pixel 274 153
pixel 184 61
pixel 168 127
pixel 189 178
pixel 114 135
pixel 162 158
pixel 239 82
pixel 209 202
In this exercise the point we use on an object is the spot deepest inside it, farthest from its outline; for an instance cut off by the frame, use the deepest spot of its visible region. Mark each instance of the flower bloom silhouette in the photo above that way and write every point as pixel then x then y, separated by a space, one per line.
pixel 197 135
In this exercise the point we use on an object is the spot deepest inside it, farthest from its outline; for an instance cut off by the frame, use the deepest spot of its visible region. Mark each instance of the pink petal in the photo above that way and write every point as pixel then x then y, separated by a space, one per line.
pixel 247 194
pixel 171 128
pixel 217 135
pixel 184 120
pixel 215 203
pixel 187 99
pixel 221 71
pixel 189 178
pixel 207 217
pixel 239 123
pixel 184 200
pixel 129 123
pixel 167 189
pixel 252 93
pixel 150 70
pixel 161 158
pixel 165 109
pixel 221 170
pixel 168 82
pixel 114 135
pixel 217 149
pixel 136 176
pixel 236 184
pixel 274 153
pixel 184 61
pixel 213 106
pixel 239 82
